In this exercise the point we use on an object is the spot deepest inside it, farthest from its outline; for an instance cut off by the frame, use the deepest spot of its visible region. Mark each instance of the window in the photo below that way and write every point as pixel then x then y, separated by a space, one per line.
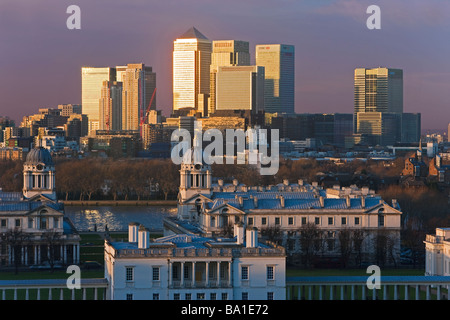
pixel 317 220
pixel 186 272
pixel 200 296
pixel 343 220
pixel 244 273
pixel 250 221
pixel 129 274
pixel 303 220
pixel 176 296
pixel 156 296
pixel 269 295
pixel 43 224
pixel 155 275
pixel 187 296
pixel 270 273
pixel 129 296
pixel 291 220
pixel 212 222
pixel 17 223
pixel 381 220
pixel 55 222
pixel 277 220
pixel 356 220
pixel 4 223
pixel 264 221
pixel 212 296
pixel 175 272
pixel 330 220
pixel 224 296
pixel 30 223
pixel 244 295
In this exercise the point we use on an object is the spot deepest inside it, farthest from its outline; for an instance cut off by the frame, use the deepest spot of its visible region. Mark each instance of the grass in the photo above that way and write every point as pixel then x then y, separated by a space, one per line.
pixel 291 272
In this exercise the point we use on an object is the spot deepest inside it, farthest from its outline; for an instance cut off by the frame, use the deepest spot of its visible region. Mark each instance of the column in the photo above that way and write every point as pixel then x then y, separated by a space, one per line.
pixel 207 273
pixel 64 254
pixel 193 273
pixel 218 273
pixel 170 274
pixel 229 273
pixel 78 253
pixel 182 274
pixel 35 255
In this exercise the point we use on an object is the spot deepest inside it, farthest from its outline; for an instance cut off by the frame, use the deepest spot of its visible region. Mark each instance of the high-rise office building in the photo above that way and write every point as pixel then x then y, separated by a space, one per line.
pixel 191 62
pixel 91 85
pixel 378 90
pixel 110 105
pixel 226 53
pixel 139 83
pixel 69 109
pixel 411 127
pixel 240 88
pixel 381 128
pixel 279 63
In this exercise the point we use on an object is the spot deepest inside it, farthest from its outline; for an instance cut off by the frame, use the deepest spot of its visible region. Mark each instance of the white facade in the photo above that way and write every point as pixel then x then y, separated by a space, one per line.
pixel 190 267
pixel 437 257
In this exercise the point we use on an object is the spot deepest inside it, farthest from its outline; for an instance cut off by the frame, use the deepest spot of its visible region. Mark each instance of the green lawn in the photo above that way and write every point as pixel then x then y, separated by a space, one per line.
pixel 291 272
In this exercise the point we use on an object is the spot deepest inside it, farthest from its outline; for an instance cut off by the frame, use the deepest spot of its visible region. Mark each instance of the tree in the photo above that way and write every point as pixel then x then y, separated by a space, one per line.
pixel 16 240
pixel 358 237
pixel 310 234
pixel 345 245
pixel 53 240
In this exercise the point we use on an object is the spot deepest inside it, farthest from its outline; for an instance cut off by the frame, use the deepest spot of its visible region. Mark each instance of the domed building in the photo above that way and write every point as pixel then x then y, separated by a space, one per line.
pixel 33 227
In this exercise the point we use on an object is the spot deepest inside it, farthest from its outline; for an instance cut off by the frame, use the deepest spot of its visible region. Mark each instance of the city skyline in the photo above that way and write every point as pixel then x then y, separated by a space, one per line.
pixel 330 37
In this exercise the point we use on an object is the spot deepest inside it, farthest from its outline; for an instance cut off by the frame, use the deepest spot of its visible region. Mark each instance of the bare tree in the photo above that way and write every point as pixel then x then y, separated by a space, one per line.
pixel 16 240
pixel 53 240
pixel 310 234
pixel 345 245
pixel 358 237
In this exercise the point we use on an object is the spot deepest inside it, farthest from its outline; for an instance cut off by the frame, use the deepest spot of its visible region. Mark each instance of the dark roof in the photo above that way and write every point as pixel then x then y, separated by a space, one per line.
pixel 193 33
pixel 39 155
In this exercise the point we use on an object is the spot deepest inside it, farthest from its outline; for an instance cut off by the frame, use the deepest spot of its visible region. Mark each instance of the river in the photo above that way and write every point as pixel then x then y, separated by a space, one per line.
pixel 117 218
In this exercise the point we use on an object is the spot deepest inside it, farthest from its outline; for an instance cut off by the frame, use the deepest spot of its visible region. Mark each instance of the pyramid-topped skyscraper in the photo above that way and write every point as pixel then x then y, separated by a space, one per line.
pixel 191 61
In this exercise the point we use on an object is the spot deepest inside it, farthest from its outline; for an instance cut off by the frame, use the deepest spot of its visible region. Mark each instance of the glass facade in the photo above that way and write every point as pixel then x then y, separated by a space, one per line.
pixel 279 63
pixel 91 87
pixel 191 61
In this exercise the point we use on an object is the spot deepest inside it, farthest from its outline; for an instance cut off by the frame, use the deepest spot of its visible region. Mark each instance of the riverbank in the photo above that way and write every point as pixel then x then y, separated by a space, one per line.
pixel 125 203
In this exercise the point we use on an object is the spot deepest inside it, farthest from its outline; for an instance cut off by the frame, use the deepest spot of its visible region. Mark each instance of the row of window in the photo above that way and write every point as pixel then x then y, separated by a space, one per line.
pixel 304 220
pixel 43 223
pixel 202 296
pixel 245 273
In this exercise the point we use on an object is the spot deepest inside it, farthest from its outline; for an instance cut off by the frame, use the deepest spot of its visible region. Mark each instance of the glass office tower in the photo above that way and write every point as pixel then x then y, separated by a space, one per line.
pixel 279 63
pixel 191 61
pixel 91 88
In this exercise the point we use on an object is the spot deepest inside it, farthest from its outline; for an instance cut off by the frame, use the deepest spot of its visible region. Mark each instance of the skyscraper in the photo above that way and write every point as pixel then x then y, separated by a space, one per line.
pixel 91 85
pixel 191 61
pixel 226 53
pixel 111 106
pixel 279 63
pixel 139 82
pixel 378 90
pixel 240 88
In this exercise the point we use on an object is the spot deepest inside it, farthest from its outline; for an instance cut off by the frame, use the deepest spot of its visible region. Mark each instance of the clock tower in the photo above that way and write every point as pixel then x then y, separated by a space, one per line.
pixel 39 174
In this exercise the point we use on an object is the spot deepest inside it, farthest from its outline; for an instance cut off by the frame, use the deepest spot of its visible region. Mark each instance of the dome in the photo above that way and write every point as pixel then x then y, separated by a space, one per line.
pixel 39 155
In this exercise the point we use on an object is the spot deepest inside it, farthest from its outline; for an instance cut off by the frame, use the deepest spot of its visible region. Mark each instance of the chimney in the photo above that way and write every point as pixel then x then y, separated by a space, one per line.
pixel 133 232
pixel 251 240
pixel 239 232
pixel 394 203
pixel 347 198
pixel 282 202
pixel 143 237
pixel 286 182
pixel 235 182
pixel 322 202
pixel 363 202
pixel 255 202
pixel 220 182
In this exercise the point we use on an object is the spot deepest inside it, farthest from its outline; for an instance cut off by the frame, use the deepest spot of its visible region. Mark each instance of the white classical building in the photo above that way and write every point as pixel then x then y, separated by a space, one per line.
pixel 437 257
pixel 33 228
pixel 208 209
pixel 192 267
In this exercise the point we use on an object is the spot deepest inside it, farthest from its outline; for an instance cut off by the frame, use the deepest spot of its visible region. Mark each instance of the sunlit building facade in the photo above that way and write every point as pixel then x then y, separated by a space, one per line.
pixel 91 87
pixel 240 88
pixel 139 83
pixel 226 53
pixel 111 106
pixel 279 63
pixel 191 62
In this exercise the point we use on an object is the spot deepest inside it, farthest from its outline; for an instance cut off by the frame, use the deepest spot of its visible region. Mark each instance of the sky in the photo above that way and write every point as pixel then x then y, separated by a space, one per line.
pixel 41 59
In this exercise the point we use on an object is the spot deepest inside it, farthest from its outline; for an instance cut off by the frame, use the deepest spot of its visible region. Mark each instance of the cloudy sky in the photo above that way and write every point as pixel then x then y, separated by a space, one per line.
pixel 41 60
